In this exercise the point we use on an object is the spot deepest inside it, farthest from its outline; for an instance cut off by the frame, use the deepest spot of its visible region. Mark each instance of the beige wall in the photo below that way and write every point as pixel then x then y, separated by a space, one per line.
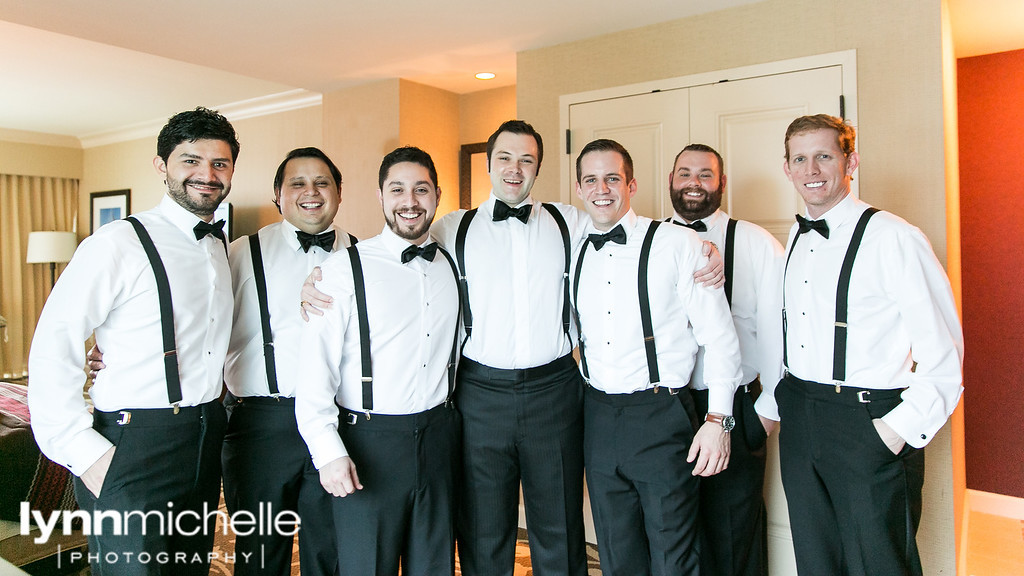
pixel 264 141
pixel 361 125
pixel 899 58
pixel 429 119
pixel 480 113
pixel 24 159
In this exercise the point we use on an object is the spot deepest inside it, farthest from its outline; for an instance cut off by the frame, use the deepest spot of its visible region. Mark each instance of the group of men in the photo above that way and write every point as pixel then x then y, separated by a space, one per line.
pixel 430 373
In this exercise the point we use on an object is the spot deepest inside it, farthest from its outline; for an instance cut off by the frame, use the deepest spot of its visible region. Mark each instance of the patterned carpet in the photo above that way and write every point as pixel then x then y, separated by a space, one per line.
pixel 224 545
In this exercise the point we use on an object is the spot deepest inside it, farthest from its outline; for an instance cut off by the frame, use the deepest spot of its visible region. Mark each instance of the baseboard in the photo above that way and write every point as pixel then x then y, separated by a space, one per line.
pixel 994 504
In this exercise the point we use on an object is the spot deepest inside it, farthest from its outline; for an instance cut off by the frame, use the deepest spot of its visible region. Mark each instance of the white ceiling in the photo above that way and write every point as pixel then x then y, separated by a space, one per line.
pixel 91 69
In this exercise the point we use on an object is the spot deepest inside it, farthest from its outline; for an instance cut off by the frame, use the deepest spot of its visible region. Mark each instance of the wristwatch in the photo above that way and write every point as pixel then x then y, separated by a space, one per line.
pixel 727 422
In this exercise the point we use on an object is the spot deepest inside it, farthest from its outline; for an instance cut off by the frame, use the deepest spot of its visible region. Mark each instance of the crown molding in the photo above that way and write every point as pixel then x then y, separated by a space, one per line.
pixel 252 108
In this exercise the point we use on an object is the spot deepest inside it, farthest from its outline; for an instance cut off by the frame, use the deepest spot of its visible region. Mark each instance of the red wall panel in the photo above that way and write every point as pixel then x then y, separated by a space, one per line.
pixel 991 131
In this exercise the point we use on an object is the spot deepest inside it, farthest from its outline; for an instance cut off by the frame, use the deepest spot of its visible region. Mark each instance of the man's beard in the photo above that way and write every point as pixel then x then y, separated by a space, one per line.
pixel 403 230
pixel 200 205
pixel 695 208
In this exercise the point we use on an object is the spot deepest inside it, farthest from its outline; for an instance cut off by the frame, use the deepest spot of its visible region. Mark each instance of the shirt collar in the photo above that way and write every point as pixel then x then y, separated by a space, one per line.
pixel 288 231
pixel 395 244
pixel 181 218
pixel 847 210
pixel 628 222
pixel 488 205
pixel 712 221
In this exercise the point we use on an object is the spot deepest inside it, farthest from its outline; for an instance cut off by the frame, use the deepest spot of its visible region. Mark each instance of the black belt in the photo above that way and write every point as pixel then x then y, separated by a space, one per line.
pixel 841 394
pixel 472 368
pixel 396 422
pixel 156 416
pixel 268 400
pixel 753 388
pixel 640 397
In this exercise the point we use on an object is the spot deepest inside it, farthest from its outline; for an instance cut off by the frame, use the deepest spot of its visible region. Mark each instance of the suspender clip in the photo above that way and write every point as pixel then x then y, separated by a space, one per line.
pixel 276 396
pixel 862 396
pixel 366 379
pixel 126 417
pixel 840 324
pixel 367 415
pixel 177 407
pixel 839 386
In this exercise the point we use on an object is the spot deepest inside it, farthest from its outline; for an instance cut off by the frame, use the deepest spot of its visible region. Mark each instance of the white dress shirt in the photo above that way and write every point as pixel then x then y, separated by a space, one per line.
pixel 684 315
pixel 413 312
pixel 286 267
pixel 756 304
pixel 109 288
pixel 515 274
pixel 901 311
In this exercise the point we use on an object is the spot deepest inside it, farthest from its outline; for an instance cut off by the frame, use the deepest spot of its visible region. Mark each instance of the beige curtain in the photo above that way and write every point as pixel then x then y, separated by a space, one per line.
pixel 27 204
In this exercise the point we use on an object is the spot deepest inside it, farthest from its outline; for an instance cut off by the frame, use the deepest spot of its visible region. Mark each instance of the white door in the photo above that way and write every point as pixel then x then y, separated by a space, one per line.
pixel 745 120
pixel 652 127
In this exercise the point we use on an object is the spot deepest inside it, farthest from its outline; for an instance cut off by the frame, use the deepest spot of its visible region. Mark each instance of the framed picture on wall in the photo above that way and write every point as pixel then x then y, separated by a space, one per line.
pixel 106 207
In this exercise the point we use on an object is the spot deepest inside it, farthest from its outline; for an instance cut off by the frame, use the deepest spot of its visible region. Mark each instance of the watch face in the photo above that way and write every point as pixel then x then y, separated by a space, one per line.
pixel 728 423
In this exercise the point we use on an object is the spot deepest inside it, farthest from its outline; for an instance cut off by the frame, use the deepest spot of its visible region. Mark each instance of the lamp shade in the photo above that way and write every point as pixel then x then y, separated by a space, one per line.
pixel 51 247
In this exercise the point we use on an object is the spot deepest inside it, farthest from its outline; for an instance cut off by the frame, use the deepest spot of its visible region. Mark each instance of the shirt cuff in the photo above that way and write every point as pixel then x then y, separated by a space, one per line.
pixel 84 449
pixel 766 404
pixel 326 448
pixel 720 398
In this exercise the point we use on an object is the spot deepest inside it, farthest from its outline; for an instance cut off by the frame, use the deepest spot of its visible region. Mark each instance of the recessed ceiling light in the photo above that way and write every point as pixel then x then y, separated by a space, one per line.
pixel 485 76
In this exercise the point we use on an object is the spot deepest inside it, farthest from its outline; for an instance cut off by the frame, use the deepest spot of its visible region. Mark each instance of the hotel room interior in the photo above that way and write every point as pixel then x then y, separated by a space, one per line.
pixel 935 89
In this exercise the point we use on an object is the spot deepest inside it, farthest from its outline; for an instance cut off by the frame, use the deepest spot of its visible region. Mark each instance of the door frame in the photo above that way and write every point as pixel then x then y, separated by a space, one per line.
pixel 846 58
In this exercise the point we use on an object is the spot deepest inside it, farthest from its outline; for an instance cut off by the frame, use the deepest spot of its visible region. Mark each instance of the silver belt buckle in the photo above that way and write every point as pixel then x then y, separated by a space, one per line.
pixel 862 396
pixel 674 391
pixel 352 419
pixel 125 418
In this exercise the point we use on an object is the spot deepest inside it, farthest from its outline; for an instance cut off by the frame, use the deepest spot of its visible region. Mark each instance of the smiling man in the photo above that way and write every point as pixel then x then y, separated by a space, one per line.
pixel 732 511
pixel 265 460
pixel 642 318
pixel 874 352
pixel 519 390
pixel 376 373
pixel 156 291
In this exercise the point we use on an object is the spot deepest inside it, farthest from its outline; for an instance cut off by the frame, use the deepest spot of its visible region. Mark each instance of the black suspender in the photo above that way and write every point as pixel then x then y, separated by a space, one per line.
pixel 460 255
pixel 645 305
pixel 453 357
pixel 576 308
pixel 260 278
pixel 729 256
pixel 843 297
pixel 842 300
pixel 564 230
pixel 364 329
pixel 163 289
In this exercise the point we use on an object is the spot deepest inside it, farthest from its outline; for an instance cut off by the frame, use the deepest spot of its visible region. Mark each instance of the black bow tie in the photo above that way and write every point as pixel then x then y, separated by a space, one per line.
pixel 502 211
pixel 807 225
pixel 427 252
pixel 617 235
pixel 324 240
pixel 696 225
pixel 203 228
